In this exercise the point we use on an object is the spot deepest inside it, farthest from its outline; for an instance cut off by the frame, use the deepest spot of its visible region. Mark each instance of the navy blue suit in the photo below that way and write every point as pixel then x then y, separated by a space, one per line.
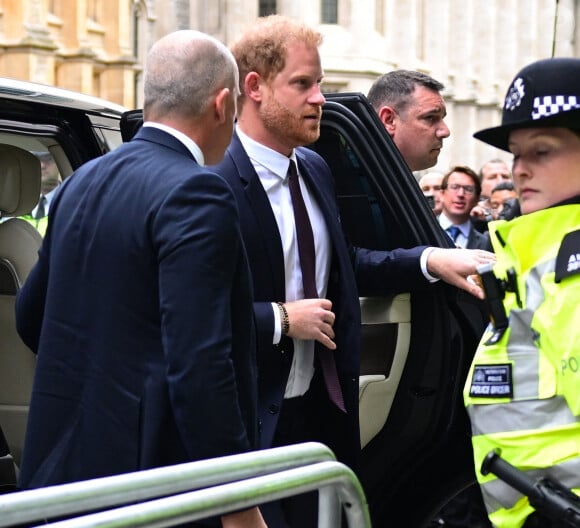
pixel 353 271
pixel 140 311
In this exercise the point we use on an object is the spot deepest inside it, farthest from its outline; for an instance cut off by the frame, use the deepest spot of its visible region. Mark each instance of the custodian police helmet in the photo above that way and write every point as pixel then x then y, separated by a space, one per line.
pixel 545 93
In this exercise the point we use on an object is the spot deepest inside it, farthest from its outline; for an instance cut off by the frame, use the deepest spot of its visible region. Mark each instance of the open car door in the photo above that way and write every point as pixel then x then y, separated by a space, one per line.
pixel 417 346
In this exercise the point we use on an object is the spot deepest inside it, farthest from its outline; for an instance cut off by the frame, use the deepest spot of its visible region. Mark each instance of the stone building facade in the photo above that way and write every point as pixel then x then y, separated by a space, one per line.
pixel 473 46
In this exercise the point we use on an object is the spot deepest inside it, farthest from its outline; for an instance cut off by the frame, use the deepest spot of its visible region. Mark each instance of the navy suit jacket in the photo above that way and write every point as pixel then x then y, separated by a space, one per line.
pixel 353 271
pixel 140 311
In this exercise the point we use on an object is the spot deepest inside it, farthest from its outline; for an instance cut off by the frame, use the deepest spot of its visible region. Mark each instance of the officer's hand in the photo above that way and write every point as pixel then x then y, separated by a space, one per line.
pixel 455 266
pixel 311 319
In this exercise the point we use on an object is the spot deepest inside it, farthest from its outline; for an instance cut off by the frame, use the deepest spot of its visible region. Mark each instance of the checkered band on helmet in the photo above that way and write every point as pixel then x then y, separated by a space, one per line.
pixel 545 93
pixel 549 105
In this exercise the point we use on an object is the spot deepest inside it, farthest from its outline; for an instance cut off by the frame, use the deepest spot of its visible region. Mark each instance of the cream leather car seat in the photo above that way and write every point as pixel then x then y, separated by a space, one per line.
pixel 19 244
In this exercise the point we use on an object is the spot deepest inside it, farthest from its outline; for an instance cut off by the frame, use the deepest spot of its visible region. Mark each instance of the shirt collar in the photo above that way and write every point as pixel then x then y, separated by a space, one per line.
pixel 50 195
pixel 464 228
pixel 180 136
pixel 271 160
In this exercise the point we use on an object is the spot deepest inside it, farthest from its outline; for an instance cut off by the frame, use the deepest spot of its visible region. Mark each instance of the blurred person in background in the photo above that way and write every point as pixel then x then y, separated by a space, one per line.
pixel 502 193
pixel 49 181
pixel 430 184
pixel 492 173
pixel 460 190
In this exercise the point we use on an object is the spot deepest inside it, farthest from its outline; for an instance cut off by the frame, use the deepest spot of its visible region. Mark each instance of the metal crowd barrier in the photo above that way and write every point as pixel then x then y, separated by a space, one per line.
pixel 187 492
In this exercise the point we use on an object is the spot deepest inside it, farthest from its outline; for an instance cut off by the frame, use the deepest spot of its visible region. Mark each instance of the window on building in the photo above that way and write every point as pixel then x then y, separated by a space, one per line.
pixel 94 10
pixel 329 13
pixel 54 7
pixel 139 48
pixel 379 16
pixel 267 7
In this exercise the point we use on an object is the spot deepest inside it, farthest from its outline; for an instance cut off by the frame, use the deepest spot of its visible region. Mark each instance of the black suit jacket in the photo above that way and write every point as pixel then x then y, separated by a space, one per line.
pixel 374 272
pixel 140 311
pixel 477 240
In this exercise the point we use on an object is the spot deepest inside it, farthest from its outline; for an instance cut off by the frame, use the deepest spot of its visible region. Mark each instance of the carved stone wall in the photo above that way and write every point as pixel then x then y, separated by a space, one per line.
pixel 474 47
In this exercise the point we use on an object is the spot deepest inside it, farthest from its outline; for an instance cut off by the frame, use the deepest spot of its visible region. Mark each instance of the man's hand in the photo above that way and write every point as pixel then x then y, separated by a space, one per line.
pixel 245 519
pixel 454 266
pixel 311 319
pixel 479 211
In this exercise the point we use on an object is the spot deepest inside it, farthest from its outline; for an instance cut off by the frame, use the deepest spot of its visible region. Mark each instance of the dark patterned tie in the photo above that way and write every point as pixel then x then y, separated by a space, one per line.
pixel 308 265
pixel 453 232
pixel 40 208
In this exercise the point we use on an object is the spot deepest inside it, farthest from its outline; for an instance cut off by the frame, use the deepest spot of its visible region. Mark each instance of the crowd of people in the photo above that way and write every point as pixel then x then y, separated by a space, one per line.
pixel 490 195
pixel 204 256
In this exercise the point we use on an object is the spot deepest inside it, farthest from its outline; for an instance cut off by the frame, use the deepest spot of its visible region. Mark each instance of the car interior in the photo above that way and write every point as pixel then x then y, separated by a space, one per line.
pixel 19 244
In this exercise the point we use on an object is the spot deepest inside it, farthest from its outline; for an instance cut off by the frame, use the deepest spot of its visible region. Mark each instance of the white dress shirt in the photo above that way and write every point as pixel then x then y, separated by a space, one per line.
pixel 47 202
pixel 461 240
pixel 272 168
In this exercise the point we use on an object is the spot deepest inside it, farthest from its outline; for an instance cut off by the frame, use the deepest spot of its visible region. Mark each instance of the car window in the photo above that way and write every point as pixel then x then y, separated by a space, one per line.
pixel 106 131
pixel 382 206
pixel 61 143
pixel 361 215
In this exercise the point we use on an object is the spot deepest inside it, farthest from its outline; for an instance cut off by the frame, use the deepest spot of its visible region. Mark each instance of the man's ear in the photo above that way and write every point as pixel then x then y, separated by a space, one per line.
pixel 221 105
pixel 387 116
pixel 253 86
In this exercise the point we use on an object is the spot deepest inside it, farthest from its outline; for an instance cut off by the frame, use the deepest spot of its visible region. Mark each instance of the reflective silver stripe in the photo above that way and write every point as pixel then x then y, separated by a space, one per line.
pixel 520 415
pixel 525 369
pixel 526 380
pixel 534 291
pixel 497 494
pixel 526 411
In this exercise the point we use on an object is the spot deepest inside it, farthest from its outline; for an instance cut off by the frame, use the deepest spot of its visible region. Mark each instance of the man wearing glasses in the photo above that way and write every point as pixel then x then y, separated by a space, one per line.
pixel 460 191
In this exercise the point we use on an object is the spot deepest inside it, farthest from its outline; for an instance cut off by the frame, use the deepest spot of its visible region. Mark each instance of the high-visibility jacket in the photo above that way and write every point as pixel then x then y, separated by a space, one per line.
pixel 39 223
pixel 523 392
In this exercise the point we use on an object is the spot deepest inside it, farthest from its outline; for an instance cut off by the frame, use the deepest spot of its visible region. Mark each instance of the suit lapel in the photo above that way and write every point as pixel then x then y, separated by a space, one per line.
pixel 260 208
pixel 322 197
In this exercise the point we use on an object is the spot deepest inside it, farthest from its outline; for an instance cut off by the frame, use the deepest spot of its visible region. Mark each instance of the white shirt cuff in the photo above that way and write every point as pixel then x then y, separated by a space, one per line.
pixel 277 324
pixel 423 262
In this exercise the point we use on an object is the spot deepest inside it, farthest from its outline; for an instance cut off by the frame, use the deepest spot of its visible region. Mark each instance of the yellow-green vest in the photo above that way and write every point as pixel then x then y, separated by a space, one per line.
pixel 39 223
pixel 523 393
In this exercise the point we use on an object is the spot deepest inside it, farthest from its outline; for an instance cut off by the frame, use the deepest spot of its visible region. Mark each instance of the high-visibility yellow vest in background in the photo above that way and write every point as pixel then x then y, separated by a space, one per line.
pixel 39 223
pixel 523 392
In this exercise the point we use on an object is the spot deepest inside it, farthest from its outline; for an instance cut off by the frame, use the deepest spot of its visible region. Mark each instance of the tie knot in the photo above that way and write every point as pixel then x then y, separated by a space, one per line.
pixel 292 172
pixel 453 232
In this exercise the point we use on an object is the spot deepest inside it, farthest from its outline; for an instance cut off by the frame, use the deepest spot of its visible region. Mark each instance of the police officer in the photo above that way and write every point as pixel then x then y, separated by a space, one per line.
pixel 523 390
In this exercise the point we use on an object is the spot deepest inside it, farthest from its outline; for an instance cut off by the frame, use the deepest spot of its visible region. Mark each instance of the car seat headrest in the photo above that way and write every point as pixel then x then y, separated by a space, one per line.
pixel 19 181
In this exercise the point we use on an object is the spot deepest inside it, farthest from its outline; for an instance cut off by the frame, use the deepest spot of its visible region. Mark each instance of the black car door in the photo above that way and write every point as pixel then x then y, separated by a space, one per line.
pixel 417 346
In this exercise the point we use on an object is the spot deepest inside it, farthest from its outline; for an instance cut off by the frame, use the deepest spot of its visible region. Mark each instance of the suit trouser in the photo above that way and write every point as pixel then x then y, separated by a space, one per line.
pixel 306 419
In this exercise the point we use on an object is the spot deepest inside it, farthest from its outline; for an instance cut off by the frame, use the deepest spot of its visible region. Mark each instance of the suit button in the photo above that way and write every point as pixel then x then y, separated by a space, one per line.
pixel 274 409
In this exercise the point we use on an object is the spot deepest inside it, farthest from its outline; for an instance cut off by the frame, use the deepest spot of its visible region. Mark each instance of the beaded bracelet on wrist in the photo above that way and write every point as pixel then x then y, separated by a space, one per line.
pixel 284 319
